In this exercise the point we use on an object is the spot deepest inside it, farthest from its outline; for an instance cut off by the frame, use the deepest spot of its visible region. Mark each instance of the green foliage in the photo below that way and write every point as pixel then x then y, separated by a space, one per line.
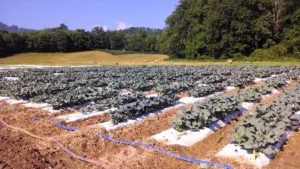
pixel 100 38
pixel 141 41
pixel 223 29
pixel 81 40
pixel 61 39
pixel 284 50
pixel 266 127
pixel 10 43
pixel 116 40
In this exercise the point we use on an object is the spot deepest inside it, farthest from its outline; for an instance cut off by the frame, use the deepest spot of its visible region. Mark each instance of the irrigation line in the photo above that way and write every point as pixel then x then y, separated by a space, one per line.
pixel 152 147
pixel 58 124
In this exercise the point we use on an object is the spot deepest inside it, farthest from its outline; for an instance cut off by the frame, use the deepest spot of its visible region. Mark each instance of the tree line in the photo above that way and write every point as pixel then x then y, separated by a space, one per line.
pixel 231 28
pixel 61 39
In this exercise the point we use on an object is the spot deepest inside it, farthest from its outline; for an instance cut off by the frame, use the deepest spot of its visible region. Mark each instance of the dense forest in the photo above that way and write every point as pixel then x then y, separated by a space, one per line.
pixel 61 39
pixel 233 28
pixel 197 29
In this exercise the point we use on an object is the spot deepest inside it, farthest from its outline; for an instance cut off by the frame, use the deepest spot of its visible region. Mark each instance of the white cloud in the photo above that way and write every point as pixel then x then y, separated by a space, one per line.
pixel 105 28
pixel 123 25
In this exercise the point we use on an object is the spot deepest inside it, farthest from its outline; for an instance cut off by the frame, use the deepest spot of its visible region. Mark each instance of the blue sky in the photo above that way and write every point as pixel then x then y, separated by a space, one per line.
pixel 111 14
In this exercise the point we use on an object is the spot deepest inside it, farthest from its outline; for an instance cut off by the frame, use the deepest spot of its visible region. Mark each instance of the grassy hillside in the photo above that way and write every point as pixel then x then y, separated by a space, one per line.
pixel 104 58
pixel 82 58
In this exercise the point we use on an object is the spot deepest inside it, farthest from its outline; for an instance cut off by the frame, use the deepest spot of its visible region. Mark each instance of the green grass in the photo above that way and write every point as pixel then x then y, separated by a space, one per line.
pixel 104 58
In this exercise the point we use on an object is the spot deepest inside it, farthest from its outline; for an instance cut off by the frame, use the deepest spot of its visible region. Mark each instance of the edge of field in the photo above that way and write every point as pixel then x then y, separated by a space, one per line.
pixel 94 58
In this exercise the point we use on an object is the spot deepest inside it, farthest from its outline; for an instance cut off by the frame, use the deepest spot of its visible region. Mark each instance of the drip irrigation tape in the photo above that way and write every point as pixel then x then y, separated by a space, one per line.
pixel 152 147
pixel 58 124
pixel 36 118
pixel 81 158
pixel 14 110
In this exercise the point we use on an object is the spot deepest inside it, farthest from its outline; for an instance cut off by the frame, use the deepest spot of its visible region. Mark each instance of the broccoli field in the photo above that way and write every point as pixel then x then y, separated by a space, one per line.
pixel 146 116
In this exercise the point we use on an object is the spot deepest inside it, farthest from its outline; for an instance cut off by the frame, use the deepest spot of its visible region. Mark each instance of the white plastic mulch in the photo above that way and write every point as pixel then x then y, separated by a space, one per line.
pixel 14 101
pixel 125 92
pixel 257 80
pixel 202 84
pixel 3 98
pixel 57 74
pixel 152 95
pixel 243 156
pixel 12 78
pixel 36 105
pixel 25 103
pixel 81 116
pixel 228 88
pixel 189 100
pixel 50 110
pixel 188 137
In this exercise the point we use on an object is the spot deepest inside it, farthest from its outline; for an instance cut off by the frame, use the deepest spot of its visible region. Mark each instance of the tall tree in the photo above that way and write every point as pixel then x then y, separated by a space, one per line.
pixel 100 38
pixel 117 40
pixel 13 42
pixel 172 39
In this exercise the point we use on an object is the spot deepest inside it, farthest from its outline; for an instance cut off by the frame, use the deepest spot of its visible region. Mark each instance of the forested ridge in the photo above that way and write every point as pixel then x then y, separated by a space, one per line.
pixel 197 29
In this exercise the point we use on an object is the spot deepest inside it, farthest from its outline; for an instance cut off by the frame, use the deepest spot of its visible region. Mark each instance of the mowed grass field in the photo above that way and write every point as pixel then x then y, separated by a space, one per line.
pixel 104 58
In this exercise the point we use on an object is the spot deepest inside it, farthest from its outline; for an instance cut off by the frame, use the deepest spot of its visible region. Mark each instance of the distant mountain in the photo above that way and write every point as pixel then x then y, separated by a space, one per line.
pixel 135 30
pixel 14 28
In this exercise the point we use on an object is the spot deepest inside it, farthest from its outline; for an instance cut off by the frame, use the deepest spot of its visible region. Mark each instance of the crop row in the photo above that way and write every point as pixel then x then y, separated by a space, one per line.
pixel 266 126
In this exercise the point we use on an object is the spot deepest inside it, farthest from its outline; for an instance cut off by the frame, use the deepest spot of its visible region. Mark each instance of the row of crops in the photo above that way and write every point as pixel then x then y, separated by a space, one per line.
pixel 268 124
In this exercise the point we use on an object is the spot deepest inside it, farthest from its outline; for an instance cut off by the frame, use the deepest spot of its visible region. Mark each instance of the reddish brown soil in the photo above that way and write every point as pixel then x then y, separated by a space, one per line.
pixel 17 115
pixel 261 83
pixel 182 94
pixel 21 151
